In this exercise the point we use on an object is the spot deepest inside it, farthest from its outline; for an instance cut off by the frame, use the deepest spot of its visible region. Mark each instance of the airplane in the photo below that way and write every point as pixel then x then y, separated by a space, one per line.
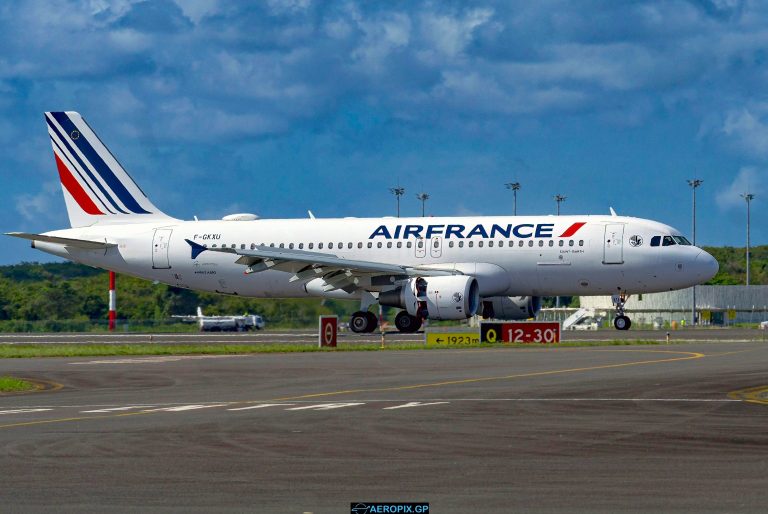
pixel 224 323
pixel 437 268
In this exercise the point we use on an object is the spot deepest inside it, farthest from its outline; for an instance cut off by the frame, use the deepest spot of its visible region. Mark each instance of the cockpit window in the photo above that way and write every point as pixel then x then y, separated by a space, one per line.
pixel 668 241
pixel 655 240
pixel 681 240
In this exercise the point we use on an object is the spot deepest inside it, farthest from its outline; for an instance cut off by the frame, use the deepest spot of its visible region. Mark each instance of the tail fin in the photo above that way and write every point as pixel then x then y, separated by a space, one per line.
pixel 96 187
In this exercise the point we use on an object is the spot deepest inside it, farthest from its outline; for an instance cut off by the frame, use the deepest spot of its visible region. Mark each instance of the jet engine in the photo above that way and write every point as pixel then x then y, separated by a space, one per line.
pixel 511 307
pixel 438 298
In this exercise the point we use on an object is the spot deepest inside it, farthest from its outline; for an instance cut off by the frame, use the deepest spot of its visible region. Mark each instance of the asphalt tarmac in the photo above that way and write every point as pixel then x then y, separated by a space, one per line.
pixel 679 428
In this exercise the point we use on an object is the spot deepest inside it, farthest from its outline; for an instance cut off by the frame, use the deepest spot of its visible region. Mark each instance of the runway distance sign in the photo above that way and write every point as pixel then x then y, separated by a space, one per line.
pixel 453 338
pixel 328 331
pixel 520 332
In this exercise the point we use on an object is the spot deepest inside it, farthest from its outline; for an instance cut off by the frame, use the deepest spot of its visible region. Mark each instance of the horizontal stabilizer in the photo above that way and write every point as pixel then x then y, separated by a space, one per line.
pixel 74 243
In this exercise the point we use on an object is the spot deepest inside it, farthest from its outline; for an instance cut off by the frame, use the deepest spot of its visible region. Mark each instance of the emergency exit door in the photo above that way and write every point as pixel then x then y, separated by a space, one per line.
pixel 160 247
pixel 613 249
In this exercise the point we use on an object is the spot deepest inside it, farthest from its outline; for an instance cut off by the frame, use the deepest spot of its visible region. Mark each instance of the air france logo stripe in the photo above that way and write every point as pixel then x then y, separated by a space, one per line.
pixel 61 141
pixel 75 189
pixel 100 166
pixel 570 231
pixel 58 151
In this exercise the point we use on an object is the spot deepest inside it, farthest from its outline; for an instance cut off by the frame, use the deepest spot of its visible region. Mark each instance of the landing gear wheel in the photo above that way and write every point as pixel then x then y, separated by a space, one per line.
pixel 622 322
pixel 361 322
pixel 373 321
pixel 407 323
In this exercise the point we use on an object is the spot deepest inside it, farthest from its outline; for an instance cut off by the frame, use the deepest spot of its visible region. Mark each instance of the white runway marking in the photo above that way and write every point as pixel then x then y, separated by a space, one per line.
pixel 263 405
pixel 413 404
pixel 116 409
pixel 326 406
pixel 22 411
pixel 150 360
pixel 187 407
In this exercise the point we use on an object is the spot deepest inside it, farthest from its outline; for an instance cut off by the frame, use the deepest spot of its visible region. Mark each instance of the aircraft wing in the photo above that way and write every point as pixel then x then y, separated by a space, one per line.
pixel 337 272
pixel 66 241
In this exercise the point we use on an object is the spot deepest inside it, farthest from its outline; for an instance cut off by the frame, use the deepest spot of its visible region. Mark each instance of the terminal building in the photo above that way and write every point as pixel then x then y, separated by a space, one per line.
pixel 715 305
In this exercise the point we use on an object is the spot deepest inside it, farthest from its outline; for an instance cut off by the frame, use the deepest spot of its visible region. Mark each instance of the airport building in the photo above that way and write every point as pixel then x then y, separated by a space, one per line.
pixel 715 305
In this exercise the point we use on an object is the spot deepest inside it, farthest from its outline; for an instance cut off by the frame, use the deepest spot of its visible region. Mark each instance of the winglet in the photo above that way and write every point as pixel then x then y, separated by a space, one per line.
pixel 197 249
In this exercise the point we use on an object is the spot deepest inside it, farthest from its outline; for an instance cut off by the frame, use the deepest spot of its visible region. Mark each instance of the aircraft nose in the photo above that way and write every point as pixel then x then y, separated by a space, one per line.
pixel 706 266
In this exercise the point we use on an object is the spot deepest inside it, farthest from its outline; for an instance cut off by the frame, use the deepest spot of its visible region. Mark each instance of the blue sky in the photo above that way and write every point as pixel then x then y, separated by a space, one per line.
pixel 277 107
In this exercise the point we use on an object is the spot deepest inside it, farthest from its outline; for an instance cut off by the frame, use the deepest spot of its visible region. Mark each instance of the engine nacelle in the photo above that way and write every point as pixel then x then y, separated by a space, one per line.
pixel 511 307
pixel 454 297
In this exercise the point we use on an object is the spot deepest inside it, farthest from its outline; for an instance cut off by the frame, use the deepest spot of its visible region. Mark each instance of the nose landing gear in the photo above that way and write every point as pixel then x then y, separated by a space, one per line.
pixel 621 321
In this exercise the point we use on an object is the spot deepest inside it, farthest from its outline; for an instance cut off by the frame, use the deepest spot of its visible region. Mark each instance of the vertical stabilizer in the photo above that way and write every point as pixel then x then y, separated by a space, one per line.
pixel 97 189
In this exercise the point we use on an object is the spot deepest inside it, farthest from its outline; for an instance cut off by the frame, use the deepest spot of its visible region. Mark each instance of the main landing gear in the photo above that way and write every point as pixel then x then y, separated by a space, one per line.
pixel 621 321
pixel 407 323
pixel 363 322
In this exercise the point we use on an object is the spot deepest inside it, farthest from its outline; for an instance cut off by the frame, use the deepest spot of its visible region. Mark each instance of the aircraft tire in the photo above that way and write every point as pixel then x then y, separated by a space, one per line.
pixel 406 323
pixel 622 323
pixel 373 322
pixel 360 323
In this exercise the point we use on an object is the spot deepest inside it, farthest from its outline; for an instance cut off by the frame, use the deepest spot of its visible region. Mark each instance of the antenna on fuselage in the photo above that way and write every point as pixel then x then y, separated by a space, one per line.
pixel 613 213
pixel 311 216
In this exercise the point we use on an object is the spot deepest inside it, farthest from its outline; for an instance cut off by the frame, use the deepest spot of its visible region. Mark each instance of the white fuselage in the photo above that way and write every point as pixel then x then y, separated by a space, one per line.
pixel 509 256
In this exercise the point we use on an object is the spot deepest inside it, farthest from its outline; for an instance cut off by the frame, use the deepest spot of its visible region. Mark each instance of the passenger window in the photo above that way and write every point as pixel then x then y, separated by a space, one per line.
pixel 450 244
pixel 490 244
pixel 551 243
pixel 214 246
pixel 341 246
pixel 436 243
pixel 389 244
pixel 359 245
pixel 271 245
pixel 242 246
pixel 399 244
pixel 301 246
pixel 282 245
pixel 541 242
pixel 530 243
pixel 349 245
pixel 319 246
pixel 408 244
pixel 311 245
pixel 520 243
pixel 232 245
pixel 290 246
pixel 470 244
pixel 370 245
pixel 378 245
pixel 570 243
pixel 479 244
pixel 667 241
pixel 421 243
pixel 253 246
pixel 561 243
pixel 511 244
pixel 330 246
pixel 581 242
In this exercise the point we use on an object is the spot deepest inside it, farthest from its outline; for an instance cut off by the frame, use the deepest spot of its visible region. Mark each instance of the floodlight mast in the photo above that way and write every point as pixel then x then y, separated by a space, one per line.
pixel 748 197
pixel 694 183
pixel 515 187
pixel 398 192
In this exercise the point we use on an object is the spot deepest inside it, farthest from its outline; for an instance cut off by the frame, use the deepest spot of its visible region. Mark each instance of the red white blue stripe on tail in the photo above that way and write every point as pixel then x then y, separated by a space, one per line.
pixel 97 189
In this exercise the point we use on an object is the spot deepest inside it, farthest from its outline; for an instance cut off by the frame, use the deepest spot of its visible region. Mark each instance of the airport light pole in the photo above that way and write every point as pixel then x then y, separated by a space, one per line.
pixel 559 198
pixel 748 197
pixel 423 197
pixel 398 192
pixel 515 187
pixel 694 183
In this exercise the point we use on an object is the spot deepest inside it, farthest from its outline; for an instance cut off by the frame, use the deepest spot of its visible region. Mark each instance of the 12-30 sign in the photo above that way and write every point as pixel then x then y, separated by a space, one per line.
pixel 520 332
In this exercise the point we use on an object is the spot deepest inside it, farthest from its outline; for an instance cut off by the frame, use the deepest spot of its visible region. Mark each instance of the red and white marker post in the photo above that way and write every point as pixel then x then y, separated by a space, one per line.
pixel 112 301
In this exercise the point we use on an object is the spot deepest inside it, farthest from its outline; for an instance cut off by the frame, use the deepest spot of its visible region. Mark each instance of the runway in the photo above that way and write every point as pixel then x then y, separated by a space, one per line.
pixel 677 428
pixel 311 337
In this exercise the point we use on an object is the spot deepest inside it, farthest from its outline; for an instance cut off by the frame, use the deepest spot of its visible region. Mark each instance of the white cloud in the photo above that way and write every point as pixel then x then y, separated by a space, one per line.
pixel 44 205
pixel 747 129
pixel 748 180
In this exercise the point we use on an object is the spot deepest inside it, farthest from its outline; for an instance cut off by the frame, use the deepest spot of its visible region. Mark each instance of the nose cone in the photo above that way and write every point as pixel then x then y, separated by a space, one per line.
pixel 706 266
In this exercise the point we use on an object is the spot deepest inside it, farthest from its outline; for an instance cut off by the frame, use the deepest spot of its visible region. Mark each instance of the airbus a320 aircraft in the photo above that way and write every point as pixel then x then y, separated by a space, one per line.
pixel 432 268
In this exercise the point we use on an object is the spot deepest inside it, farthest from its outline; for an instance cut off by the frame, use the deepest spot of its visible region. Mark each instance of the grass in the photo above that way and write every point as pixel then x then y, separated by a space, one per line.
pixel 12 385
pixel 111 350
